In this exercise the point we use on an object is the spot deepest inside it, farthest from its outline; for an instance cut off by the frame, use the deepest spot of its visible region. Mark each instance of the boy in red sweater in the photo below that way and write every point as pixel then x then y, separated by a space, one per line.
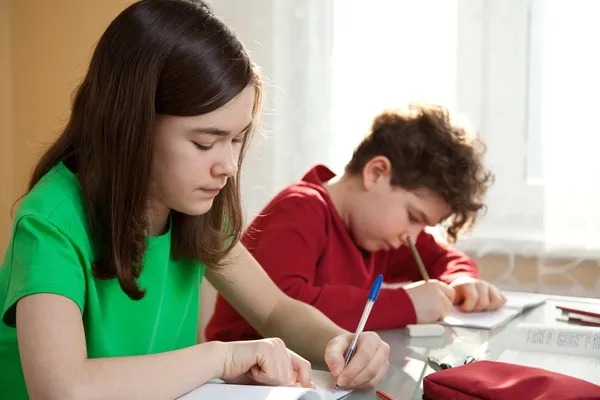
pixel 324 239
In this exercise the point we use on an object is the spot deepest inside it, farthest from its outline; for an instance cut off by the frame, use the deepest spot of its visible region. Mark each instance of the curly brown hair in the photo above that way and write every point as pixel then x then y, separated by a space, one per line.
pixel 428 149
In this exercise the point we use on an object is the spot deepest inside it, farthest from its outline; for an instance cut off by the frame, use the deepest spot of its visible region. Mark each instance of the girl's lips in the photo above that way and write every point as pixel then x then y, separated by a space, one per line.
pixel 211 192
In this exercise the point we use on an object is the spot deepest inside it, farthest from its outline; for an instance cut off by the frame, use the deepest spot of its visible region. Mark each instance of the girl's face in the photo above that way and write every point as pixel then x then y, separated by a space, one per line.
pixel 194 156
pixel 383 216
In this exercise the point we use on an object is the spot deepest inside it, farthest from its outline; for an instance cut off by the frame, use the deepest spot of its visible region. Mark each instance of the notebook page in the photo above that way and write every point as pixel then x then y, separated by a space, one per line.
pixel 586 368
pixel 483 319
pixel 515 303
pixel 573 340
pixel 523 300
pixel 221 391
pixel 323 381
pixel 325 384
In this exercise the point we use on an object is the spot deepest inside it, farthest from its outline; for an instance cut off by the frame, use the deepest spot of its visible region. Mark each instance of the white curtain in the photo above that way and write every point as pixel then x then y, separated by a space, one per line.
pixel 569 128
pixel 291 40
pixel 523 72
pixel 385 55
pixel 539 90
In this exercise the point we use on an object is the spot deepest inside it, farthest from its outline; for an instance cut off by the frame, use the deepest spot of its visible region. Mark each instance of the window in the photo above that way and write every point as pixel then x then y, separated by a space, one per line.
pixel 525 74
pixel 564 131
pixel 385 55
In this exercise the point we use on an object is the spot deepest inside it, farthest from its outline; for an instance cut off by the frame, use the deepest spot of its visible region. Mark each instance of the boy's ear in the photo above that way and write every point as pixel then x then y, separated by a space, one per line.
pixel 376 169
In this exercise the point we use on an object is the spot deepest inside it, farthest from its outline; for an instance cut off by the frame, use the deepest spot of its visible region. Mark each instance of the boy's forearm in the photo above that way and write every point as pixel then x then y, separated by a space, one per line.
pixel 307 333
pixel 455 265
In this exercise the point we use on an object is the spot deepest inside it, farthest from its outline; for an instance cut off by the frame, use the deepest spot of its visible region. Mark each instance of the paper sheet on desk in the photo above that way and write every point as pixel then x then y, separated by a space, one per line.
pixel 485 319
pixel 569 350
pixel 321 379
pixel 516 303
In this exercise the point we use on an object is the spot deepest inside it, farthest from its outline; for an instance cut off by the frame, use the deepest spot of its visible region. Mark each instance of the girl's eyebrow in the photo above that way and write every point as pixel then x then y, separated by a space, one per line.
pixel 217 131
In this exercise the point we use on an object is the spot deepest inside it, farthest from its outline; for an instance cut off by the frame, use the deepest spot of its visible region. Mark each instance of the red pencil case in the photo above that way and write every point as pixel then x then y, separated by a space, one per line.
pixel 493 380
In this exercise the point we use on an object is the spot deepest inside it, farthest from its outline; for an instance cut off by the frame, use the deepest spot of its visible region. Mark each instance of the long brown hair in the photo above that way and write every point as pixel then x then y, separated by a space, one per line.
pixel 171 57
pixel 429 149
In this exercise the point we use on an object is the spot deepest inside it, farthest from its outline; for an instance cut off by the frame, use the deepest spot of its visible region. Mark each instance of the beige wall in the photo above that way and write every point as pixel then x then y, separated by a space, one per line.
pixel 6 126
pixel 44 50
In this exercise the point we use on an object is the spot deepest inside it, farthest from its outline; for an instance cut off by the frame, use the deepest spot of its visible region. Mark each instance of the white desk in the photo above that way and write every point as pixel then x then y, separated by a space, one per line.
pixel 408 356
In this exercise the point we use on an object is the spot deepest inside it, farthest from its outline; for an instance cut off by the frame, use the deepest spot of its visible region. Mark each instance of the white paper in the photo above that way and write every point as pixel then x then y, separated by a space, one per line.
pixel 569 350
pixel 323 380
pixel 573 340
pixel 515 304
pixel 483 319
pixel 325 383
pixel 523 300
pixel 225 392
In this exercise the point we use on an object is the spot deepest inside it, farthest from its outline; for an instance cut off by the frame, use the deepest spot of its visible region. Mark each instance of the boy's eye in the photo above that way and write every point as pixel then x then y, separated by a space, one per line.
pixel 412 218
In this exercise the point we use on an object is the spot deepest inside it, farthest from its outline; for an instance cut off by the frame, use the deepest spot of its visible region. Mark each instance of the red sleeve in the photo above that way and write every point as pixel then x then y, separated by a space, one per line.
pixel 289 249
pixel 442 263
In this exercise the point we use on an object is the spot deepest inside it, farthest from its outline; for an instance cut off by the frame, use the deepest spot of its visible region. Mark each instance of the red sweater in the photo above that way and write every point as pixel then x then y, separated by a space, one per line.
pixel 304 246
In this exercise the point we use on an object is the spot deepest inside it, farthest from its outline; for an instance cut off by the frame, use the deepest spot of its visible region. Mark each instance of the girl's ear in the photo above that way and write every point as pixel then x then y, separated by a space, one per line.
pixel 376 169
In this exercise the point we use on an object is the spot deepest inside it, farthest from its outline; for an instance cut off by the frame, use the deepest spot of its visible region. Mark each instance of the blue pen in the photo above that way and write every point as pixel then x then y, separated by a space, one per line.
pixel 363 320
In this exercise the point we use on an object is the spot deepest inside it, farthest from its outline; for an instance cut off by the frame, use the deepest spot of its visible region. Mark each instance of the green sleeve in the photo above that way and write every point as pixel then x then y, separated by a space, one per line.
pixel 43 260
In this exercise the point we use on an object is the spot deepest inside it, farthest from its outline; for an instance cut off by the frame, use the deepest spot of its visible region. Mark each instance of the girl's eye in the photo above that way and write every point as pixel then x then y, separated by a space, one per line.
pixel 412 219
pixel 202 147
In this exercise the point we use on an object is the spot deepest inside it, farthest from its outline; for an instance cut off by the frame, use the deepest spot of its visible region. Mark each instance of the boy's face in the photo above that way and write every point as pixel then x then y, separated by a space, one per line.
pixel 384 216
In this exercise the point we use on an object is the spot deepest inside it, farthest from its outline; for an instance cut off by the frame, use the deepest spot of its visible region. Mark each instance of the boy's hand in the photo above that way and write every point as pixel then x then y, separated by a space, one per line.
pixel 432 300
pixel 476 295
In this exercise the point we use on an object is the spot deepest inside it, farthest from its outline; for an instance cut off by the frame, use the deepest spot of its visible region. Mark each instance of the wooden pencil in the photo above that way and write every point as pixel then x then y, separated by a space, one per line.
pixel 417 257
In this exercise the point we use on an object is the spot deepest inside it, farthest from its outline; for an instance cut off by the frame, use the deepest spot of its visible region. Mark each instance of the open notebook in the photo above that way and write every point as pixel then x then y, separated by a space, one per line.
pixel 321 379
pixel 568 350
pixel 516 303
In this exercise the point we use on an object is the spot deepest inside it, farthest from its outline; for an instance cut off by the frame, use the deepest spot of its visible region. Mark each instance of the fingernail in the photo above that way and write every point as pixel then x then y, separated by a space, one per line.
pixel 342 382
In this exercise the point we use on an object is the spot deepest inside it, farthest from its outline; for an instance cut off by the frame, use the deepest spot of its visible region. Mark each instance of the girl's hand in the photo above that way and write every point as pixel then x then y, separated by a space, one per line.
pixel 367 367
pixel 265 362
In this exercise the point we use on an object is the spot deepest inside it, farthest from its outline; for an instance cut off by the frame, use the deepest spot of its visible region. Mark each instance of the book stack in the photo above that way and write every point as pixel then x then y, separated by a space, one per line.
pixel 583 315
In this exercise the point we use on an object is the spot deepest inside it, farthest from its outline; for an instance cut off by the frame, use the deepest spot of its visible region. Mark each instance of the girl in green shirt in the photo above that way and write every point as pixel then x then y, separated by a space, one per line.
pixel 126 211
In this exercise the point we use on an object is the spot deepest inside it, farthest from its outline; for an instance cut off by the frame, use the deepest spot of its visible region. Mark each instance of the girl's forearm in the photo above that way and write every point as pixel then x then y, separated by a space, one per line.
pixel 158 376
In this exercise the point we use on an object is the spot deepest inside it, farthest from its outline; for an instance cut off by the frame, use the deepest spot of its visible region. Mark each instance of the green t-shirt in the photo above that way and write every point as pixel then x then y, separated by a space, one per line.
pixel 50 252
